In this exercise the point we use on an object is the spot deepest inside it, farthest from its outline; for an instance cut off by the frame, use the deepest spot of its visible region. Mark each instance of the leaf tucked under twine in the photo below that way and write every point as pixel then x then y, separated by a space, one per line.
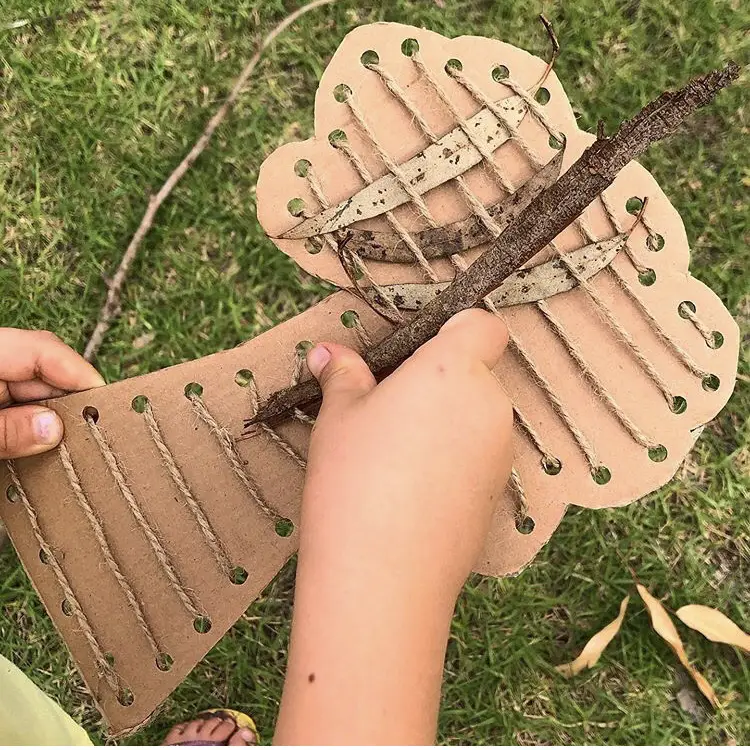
pixel 663 625
pixel 595 646
pixel 714 625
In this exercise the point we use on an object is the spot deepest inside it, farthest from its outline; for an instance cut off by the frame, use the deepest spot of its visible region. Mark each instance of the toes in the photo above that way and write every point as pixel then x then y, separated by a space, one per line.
pixel 242 738
pixel 175 734
pixel 191 730
pixel 208 727
pixel 222 731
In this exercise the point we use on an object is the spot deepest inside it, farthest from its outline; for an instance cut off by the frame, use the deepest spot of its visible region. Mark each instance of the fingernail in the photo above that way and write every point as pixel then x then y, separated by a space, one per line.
pixel 47 428
pixel 247 734
pixel 317 358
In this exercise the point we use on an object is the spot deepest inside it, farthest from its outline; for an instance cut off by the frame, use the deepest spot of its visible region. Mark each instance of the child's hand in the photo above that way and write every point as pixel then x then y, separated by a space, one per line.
pixel 403 476
pixel 35 365
pixel 402 481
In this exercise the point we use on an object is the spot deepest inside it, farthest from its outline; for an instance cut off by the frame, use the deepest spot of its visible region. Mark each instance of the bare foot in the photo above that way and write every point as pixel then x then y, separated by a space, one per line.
pixel 210 731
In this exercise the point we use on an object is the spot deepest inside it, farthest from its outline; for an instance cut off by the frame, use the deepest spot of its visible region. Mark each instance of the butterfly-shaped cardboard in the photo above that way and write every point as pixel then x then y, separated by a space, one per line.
pixel 547 384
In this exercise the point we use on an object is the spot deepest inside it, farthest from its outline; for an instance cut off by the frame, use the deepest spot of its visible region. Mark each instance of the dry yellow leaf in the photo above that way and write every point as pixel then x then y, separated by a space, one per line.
pixel 714 625
pixel 663 625
pixel 595 646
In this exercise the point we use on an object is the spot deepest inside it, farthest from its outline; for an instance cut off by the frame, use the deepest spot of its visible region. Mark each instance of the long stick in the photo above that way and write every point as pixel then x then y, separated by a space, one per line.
pixel 112 304
pixel 547 215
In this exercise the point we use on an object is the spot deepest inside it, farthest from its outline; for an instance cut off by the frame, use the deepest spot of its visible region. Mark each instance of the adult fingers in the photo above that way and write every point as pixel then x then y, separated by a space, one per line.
pixel 40 354
pixel 28 430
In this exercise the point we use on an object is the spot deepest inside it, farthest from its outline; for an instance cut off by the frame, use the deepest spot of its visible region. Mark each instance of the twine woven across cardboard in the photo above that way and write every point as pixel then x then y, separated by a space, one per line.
pixel 153 528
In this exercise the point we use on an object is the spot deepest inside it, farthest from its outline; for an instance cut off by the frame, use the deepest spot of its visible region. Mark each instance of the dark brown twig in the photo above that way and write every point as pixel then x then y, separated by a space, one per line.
pixel 547 215
pixel 555 51
pixel 111 306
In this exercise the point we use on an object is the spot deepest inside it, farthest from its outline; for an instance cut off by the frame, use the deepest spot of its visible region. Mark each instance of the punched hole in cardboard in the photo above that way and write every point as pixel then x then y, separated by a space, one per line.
pixel 67 608
pixel 409 47
pixel 601 475
pixel 90 414
pixel 453 66
pixel 685 308
pixel 296 207
pixel 302 348
pixel 341 93
pixel 243 378
pixel 12 493
pixel 164 661
pixel 633 205
pixel 139 404
pixel 238 576
pixel 525 525
pixel 193 389
pixel 500 73
pixel 302 167
pixel 647 277
pixel 313 245
pixel 284 527
pixel 44 557
pixel 109 657
pixel 202 624
pixel 369 57
pixel 679 405
pixel 349 319
pixel 711 382
pixel 551 465
pixel 542 95
pixel 654 242
pixel 125 697
pixel 337 138
pixel 657 453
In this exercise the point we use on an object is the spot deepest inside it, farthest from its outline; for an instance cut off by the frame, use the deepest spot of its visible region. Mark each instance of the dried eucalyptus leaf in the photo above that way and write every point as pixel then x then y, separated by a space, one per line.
pixel 525 285
pixel 451 156
pixel 663 625
pixel 595 646
pixel 714 625
pixel 440 242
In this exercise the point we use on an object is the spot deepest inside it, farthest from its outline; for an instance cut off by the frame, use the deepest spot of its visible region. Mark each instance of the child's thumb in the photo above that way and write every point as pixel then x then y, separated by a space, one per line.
pixel 342 373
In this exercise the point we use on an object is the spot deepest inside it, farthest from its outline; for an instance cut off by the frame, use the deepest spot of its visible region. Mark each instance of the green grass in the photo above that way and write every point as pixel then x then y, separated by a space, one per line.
pixel 99 101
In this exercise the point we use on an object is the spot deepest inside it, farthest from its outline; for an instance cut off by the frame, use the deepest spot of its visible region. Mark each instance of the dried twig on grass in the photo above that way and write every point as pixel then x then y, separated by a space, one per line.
pixel 111 306
pixel 545 217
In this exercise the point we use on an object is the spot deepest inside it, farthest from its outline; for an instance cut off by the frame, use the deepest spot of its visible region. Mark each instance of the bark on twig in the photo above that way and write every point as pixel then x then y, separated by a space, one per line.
pixel 548 215
pixel 110 308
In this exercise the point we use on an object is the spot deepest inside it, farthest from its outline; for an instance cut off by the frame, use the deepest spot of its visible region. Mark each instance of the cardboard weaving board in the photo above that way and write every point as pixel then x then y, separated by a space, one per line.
pixel 249 534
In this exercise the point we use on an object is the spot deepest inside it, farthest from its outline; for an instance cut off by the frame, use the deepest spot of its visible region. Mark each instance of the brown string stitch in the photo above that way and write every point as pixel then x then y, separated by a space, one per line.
pixel 228 447
pixel 101 539
pixel 110 459
pixel 209 534
pixel 104 668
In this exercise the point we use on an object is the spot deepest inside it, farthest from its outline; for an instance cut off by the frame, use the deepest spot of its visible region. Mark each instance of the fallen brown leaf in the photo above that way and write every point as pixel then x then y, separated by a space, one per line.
pixel 663 625
pixel 595 646
pixel 714 625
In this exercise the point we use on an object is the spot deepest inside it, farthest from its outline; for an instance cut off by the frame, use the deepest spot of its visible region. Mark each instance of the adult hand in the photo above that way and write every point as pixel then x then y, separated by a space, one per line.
pixel 36 365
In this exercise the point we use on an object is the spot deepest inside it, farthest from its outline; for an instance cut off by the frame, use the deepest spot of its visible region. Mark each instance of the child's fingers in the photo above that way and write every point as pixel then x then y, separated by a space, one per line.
pixel 40 354
pixel 33 390
pixel 28 430
pixel 342 373
pixel 471 334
